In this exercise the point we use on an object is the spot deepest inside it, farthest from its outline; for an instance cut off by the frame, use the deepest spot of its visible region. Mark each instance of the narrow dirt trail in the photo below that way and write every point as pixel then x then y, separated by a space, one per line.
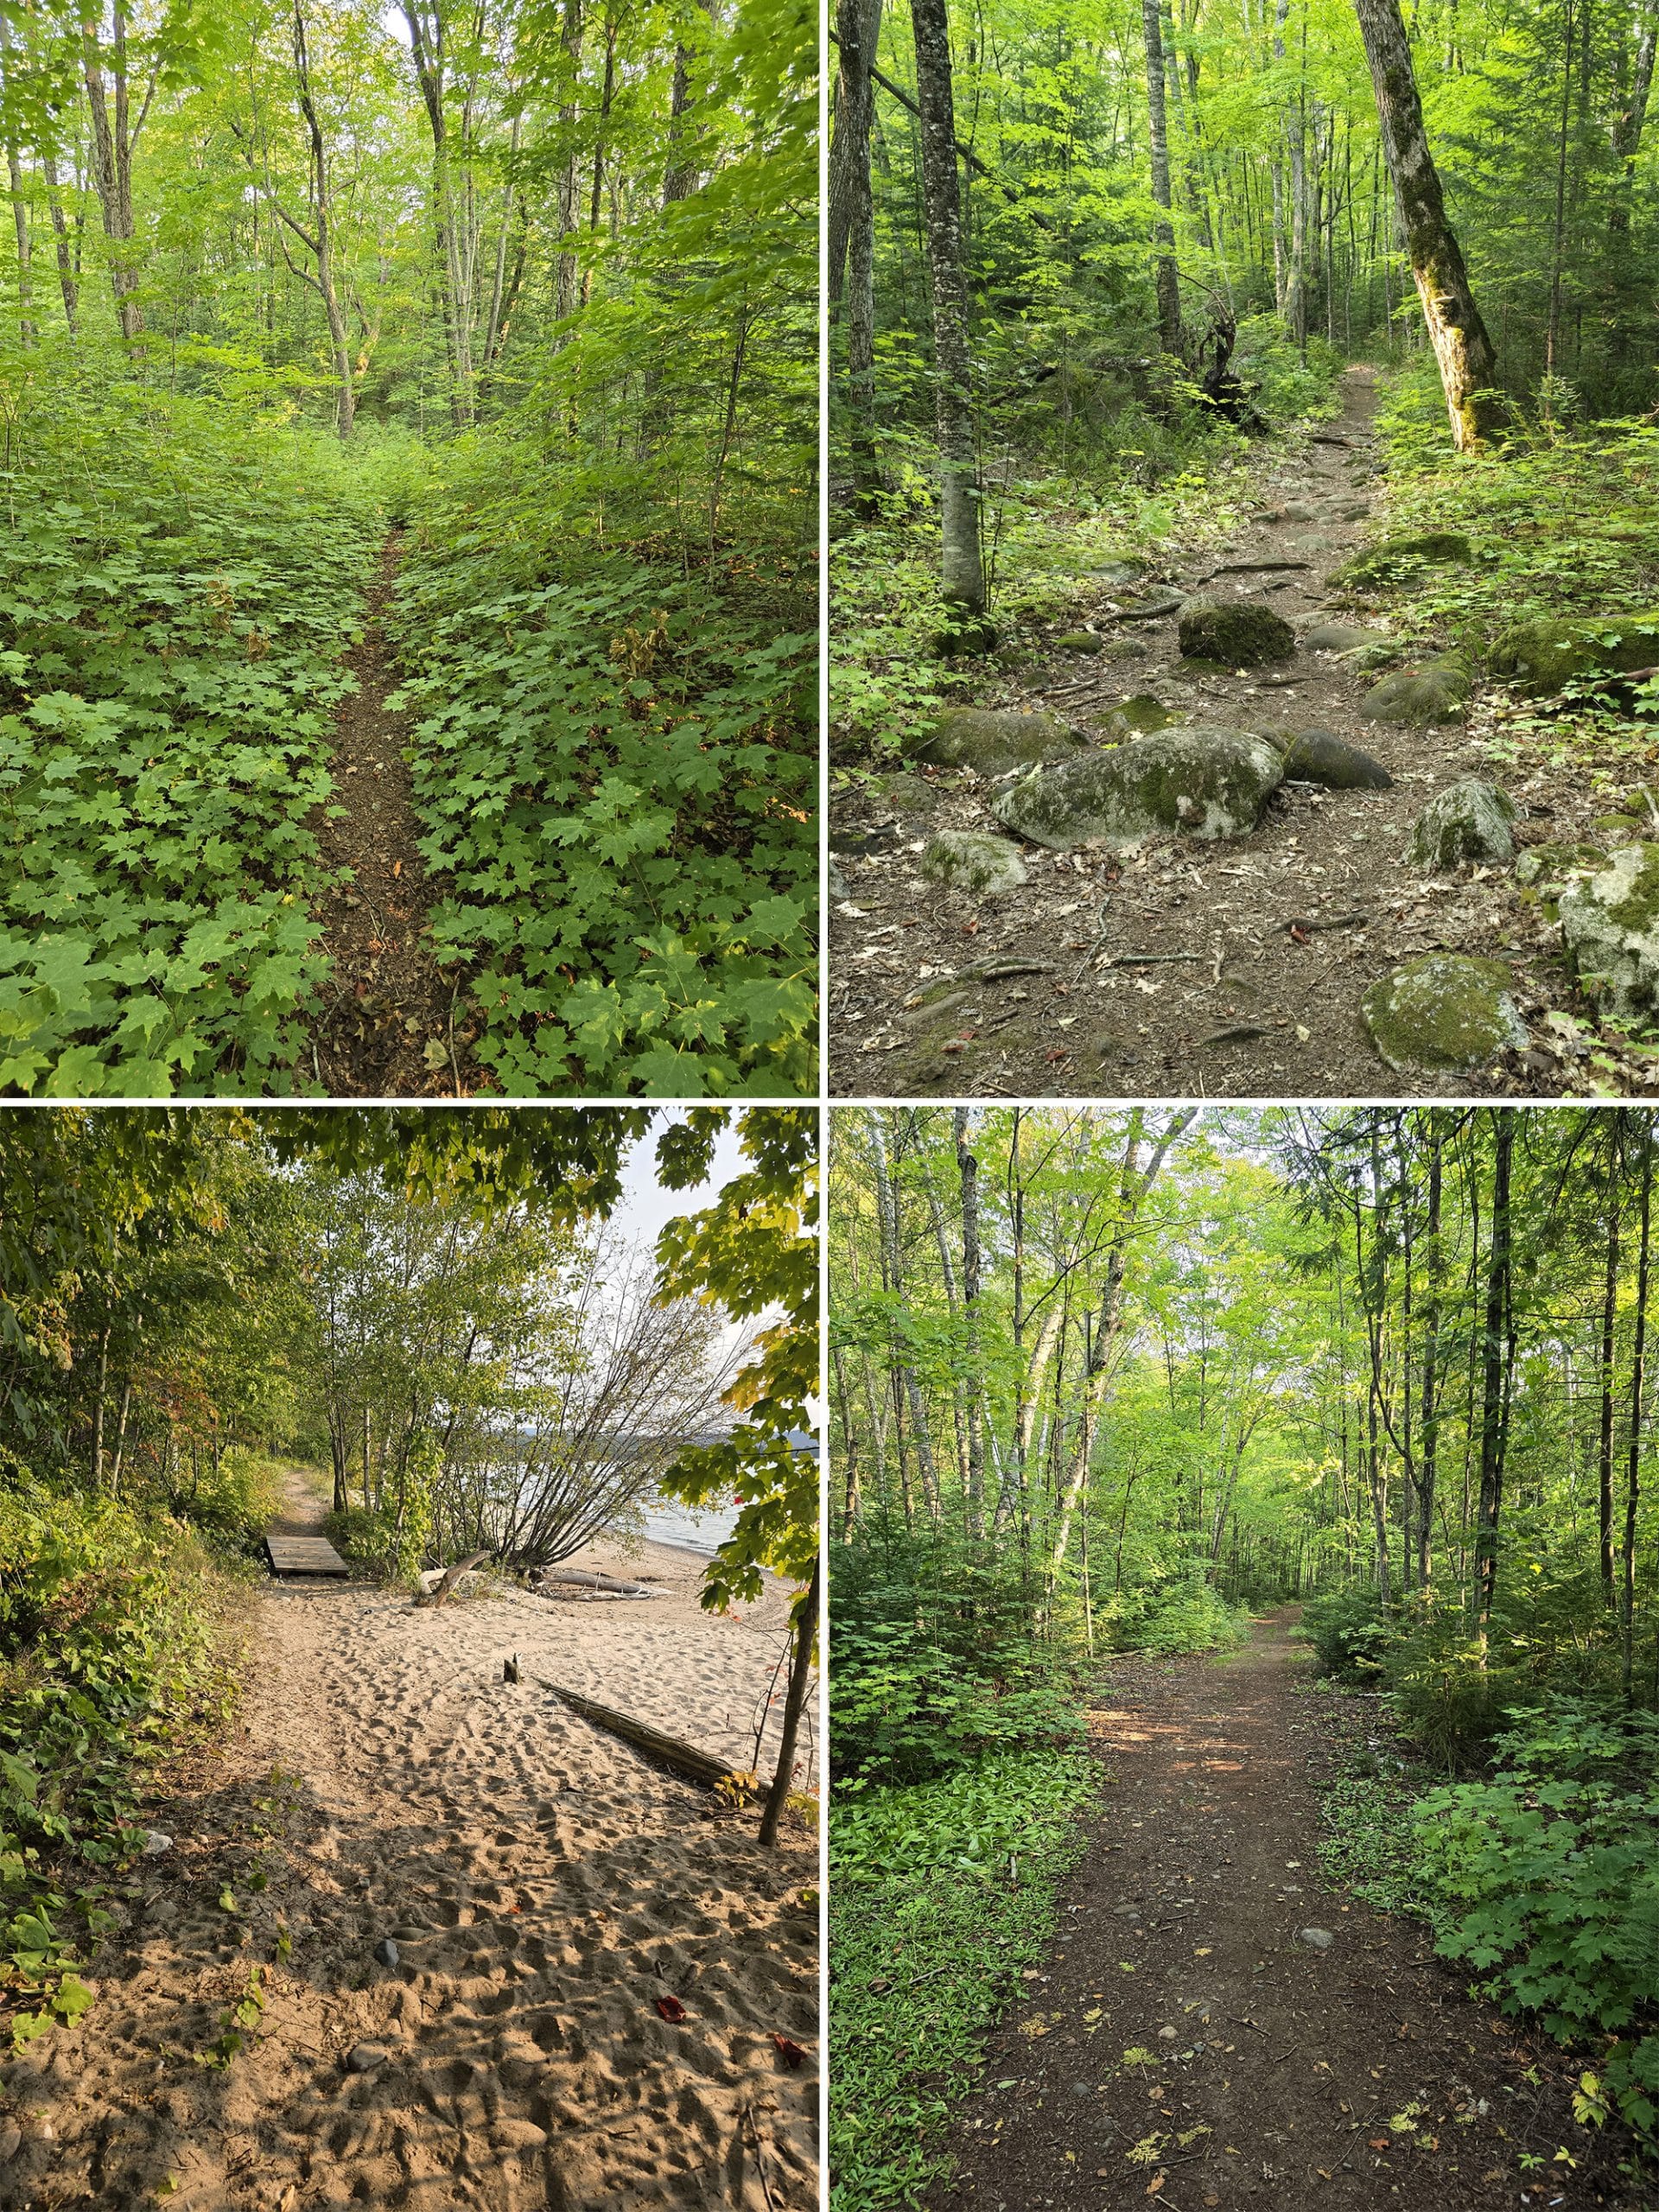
pixel 389 1030
pixel 1268 2071
pixel 1234 1006
pixel 543 1887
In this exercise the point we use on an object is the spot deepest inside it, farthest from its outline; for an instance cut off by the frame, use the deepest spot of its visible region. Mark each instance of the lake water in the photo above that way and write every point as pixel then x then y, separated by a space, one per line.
pixel 669 1522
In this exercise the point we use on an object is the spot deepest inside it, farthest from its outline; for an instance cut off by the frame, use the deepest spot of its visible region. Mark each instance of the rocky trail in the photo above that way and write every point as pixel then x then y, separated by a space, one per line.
pixel 389 1030
pixel 416 1936
pixel 1174 965
pixel 1217 2027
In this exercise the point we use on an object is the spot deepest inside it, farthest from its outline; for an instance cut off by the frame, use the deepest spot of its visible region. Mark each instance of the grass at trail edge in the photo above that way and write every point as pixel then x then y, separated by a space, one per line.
pixel 940 1895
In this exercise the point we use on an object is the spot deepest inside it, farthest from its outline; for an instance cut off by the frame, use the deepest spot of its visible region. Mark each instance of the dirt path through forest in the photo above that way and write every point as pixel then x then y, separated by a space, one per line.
pixel 1269 2071
pixel 390 1030
pixel 1236 1006
pixel 547 1891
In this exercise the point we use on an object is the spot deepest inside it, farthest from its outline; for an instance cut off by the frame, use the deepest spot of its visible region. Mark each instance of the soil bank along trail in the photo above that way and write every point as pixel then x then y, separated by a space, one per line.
pixel 1217 2027
pixel 1227 1000
pixel 544 1890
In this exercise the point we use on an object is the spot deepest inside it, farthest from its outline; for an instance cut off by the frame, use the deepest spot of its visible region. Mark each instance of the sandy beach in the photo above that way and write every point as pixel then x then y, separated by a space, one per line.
pixel 548 1895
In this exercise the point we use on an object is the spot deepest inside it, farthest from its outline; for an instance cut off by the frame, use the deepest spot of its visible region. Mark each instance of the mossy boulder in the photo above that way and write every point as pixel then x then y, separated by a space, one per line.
pixel 1430 549
pixel 1342 638
pixel 1443 1011
pixel 968 859
pixel 1545 654
pixel 1317 756
pixel 1610 922
pixel 1543 872
pixel 1078 641
pixel 993 740
pixel 1619 828
pixel 1434 691
pixel 1144 714
pixel 1200 781
pixel 907 793
pixel 1468 821
pixel 1240 634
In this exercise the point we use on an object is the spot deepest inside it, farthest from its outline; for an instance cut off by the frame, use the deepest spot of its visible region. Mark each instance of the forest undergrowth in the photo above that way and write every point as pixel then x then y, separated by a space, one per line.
pixel 612 765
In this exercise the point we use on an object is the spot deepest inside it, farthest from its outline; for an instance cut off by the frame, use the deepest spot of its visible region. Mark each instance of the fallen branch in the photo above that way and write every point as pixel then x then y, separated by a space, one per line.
pixel 685 1759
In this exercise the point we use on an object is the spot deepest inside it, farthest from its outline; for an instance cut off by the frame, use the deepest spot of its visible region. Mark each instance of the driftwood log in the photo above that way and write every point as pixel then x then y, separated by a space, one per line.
pixel 578 1578
pixel 451 1575
pixel 685 1758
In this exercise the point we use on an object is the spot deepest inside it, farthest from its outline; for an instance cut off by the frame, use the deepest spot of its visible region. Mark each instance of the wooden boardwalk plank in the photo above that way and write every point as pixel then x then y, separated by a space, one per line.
pixel 303 1555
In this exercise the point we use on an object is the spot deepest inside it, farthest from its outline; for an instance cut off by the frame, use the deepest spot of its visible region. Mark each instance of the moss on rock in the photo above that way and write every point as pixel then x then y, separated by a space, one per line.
pixel 991 739
pixel 1078 641
pixel 969 860
pixel 1430 549
pixel 1240 634
pixel 1468 821
pixel 1200 780
pixel 1435 691
pixel 1610 922
pixel 1444 1011
pixel 1549 652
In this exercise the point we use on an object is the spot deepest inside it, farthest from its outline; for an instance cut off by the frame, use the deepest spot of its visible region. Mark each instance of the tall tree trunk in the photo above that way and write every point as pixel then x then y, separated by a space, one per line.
pixel 962 577
pixel 1429 1411
pixel 1462 349
pixel 68 280
pixel 112 145
pixel 1493 1423
pixel 903 1370
pixel 852 233
pixel 1169 289
pixel 1633 1466
pixel 19 203
pixel 566 275
pixel 1604 1452
pixel 322 244
pixel 967 1175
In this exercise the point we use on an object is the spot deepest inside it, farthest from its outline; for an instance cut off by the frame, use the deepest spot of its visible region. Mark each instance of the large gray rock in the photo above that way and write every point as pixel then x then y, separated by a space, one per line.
pixel 1317 756
pixel 1201 780
pixel 1468 821
pixel 1239 633
pixel 993 740
pixel 1342 637
pixel 1442 1011
pixel 1434 691
pixel 968 859
pixel 1611 924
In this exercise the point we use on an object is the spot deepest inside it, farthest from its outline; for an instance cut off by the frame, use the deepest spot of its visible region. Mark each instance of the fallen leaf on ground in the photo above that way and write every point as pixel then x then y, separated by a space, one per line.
pixel 789 2052
pixel 670 2008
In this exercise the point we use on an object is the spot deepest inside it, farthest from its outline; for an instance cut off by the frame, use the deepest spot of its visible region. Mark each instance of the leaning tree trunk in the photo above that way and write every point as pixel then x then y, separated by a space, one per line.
pixel 1169 290
pixel 963 572
pixel 800 1678
pixel 1462 349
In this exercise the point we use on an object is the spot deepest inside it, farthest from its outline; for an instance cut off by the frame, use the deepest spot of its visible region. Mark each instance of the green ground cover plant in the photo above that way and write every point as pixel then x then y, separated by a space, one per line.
pixel 167 701
pixel 941 1894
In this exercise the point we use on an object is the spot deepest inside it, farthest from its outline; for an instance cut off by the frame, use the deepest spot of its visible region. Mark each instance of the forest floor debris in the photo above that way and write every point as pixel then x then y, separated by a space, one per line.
pixel 1186 2042
pixel 595 1962
pixel 1265 1011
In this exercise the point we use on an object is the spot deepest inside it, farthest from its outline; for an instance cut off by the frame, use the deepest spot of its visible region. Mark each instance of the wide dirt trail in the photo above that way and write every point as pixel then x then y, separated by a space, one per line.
pixel 1188 2045
pixel 1226 1001
pixel 543 1887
